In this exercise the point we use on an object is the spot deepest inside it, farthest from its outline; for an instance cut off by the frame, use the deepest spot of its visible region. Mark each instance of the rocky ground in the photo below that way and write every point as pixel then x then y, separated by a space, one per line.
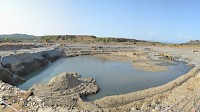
pixel 63 93
pixel 12 96
pixel 65 90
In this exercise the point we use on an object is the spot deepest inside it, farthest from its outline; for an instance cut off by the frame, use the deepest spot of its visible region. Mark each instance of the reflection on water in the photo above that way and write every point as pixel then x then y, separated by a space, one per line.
pixel 112 77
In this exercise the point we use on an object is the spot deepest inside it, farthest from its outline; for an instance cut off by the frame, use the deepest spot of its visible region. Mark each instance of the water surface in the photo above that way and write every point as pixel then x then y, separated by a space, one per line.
pixel 112 77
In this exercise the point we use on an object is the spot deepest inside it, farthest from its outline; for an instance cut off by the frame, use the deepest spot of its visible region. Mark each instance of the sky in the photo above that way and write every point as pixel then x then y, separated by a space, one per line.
pixel 173 21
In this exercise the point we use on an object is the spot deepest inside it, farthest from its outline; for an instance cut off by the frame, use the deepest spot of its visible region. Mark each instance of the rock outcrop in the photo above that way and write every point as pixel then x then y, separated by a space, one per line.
pixel 8 77
pixel 20 64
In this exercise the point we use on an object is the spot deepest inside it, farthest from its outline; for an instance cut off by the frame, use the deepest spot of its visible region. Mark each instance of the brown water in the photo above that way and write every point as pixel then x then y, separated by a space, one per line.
pixel 112 77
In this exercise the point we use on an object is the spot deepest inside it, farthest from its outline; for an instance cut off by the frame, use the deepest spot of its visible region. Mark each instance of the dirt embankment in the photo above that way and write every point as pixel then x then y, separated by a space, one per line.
pixel 65 90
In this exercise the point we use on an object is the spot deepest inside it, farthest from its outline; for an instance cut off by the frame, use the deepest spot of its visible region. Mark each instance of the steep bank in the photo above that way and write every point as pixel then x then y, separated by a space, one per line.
pixel 21 63
pixel 9 77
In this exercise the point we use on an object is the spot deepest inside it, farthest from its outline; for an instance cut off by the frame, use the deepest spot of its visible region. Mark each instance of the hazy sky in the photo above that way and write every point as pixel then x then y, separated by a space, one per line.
pixel 156 20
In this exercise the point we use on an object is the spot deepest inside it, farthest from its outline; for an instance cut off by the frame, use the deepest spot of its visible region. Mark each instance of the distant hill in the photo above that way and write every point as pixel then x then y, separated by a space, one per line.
pixel 69 37
pixel 87 38
pixel 18 36
pixel 113 39
pixel 193 42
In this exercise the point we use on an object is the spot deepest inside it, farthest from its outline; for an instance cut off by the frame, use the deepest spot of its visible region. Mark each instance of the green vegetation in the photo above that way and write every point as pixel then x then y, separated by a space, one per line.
pixel 5 39
pixel 49 39
pixel 105 40
pixel 46 38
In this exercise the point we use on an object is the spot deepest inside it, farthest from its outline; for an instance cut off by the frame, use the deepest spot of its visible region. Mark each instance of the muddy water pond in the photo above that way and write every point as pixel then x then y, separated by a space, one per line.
pixel 112 77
